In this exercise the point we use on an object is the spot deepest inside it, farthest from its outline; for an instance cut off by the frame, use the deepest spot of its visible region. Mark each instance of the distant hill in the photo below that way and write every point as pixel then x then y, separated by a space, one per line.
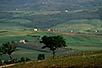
pixel 48 13
pixel 47 4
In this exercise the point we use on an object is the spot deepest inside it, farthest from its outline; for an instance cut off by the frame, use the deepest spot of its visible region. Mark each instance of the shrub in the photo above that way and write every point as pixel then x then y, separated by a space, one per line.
pixel 1 63
pixel 6 62
pixel 41 56
pixel 28 59
pixel 23 59
pixel 14 60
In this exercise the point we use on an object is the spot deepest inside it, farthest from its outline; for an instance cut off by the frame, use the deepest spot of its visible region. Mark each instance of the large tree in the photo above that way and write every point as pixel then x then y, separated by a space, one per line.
pixel 8 48
pixel 53 42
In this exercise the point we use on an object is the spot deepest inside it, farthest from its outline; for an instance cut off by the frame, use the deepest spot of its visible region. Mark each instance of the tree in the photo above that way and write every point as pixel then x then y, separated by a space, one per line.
pixel 53 42
pixel 8 48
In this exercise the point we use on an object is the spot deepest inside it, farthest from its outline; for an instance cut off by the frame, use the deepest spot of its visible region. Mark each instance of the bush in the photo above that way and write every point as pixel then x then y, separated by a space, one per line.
pixel 1 63
pixel 14 60
pixel 28 59
pixel 23 59
pixel 41 56
pixel 6 62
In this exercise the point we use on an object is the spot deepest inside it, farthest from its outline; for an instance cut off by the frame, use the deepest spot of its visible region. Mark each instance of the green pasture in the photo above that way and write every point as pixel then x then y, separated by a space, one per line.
pixel 76 43
pixel 70 39
pixel 23 52
pixel 81 25
pixel 59 20
pixel 20 32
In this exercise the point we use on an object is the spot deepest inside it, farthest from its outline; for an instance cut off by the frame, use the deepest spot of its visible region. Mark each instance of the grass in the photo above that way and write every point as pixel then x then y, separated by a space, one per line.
pixel 70 39
pixel 80 25
pixel 80 20
pixel 86 48
pixel 19 32
pixel 79 61
pixel 76 43
pixel 22 52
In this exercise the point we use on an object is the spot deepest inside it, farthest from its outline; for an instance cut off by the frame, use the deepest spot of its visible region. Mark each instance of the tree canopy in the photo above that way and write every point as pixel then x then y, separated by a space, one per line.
pixel 8 48
pixel 53 42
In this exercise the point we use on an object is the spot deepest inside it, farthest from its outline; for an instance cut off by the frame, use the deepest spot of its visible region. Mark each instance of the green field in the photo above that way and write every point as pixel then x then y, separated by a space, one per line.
pixel 77 20
pixel 83 26
pixel 76 43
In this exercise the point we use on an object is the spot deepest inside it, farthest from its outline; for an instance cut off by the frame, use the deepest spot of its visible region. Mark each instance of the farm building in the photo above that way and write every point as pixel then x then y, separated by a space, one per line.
pixel 35 29
pixel 22 41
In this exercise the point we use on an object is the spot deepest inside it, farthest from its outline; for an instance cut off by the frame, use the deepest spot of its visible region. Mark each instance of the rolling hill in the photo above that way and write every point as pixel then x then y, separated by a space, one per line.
pixel 47 4
pixel 20 14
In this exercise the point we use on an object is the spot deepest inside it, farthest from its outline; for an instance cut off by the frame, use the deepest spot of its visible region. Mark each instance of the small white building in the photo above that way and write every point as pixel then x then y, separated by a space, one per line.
pixel 22 41
pixel 52 30
pixel 49 30
pixel 66 11
pixel 96 31
pixel 35 29
pixel 71 31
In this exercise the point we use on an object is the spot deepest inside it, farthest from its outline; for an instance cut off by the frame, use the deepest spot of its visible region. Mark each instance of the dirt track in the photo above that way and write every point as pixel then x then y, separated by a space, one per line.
pixel 6 65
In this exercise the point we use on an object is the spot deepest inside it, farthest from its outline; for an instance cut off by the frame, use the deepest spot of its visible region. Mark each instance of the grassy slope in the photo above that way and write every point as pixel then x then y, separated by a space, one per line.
pixel 47 19
pixel 77 43
pixel 80 25
pixel 70 39
pixel 79 61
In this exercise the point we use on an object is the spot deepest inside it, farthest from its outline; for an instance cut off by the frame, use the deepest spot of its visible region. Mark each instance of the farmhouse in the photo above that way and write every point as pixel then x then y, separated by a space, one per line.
pixel 71 31
pixel 49 30
pixel 22 41
pixel 52 30
pixel 66 11
pixel 35 29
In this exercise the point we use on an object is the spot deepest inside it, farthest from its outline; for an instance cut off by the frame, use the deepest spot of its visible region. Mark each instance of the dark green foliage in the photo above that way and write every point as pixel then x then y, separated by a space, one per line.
pixel 23 59
pixel 7 62
pixel 1 62
pixel 28 59
pixel 41 56
pixel 14 60
pixel 8 48
pixel 53 42
pixel 11 61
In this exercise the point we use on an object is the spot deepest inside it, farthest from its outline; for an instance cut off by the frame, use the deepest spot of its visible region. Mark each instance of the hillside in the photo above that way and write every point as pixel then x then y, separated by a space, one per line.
pixel 47 4
pixel 22 14
pixel 73 61
pixel 77 45
pixel 47 19
pixel 82 26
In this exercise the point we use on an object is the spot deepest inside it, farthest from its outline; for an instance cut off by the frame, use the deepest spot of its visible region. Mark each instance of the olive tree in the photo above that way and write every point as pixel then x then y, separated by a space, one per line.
pixel 8 48
pixel 53 42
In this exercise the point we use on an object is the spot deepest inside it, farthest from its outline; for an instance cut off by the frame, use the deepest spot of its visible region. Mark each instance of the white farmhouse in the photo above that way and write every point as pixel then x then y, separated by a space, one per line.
pixel 22 41
pixel 35 29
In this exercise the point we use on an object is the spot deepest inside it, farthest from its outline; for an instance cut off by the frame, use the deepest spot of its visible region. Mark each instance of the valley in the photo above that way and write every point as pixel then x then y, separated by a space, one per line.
pixel 23 23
